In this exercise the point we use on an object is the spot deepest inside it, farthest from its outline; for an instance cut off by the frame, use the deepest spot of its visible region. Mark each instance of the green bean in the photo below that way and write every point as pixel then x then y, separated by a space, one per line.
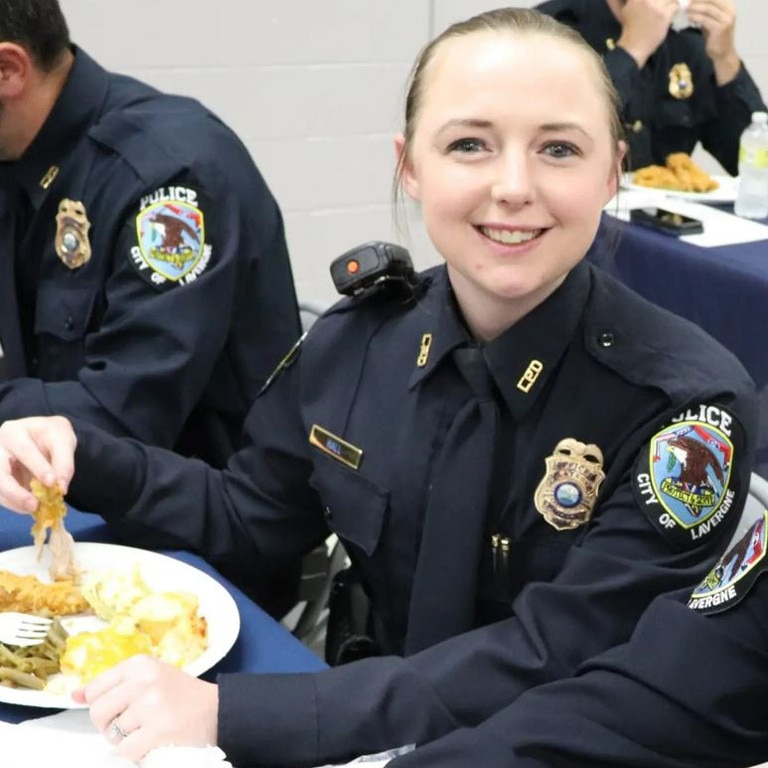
pixel 30 666
pixel 16 677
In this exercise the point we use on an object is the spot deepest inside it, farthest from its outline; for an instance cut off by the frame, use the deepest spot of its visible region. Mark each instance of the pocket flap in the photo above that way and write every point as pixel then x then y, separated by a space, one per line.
pixel 354 506
pixel 63 312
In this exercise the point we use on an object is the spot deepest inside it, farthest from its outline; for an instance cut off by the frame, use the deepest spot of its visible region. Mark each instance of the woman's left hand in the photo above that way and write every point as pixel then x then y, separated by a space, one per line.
pixel 143 703
pixel 717 19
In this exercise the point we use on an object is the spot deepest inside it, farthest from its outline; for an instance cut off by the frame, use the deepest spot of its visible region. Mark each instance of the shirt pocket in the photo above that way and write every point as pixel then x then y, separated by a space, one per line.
pixel 62 318
pixel 675 113
pixel 354 506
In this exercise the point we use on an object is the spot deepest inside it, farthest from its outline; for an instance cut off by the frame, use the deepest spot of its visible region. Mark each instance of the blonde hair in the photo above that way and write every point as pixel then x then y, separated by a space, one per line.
pixel 518 20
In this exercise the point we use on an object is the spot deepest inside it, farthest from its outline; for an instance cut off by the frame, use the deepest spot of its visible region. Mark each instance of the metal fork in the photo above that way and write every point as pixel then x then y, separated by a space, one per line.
pixel 22 629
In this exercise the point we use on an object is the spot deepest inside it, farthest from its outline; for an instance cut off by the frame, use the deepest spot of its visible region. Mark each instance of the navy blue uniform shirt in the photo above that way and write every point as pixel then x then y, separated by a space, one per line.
pixel 346 439
pixel 658 123
pixel 146 281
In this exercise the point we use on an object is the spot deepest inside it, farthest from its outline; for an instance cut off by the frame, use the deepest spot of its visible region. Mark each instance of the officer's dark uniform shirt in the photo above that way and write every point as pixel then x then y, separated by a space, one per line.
pixel 146 281
pixel 346 438
pixel 658 123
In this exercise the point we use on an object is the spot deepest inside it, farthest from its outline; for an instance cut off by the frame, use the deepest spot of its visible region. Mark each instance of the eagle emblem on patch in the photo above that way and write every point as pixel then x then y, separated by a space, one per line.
pixel 683 483
pixel 170 230
pixel 71 241
pixel 735 572
pixel 566 494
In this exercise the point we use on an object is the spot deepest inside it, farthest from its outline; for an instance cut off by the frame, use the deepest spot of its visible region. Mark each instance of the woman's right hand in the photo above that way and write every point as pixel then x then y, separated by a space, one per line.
pixel 41 447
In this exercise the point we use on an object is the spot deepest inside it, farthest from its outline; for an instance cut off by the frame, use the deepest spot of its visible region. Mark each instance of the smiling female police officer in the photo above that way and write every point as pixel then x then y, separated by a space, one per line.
pixel 677 87
pixel 518 455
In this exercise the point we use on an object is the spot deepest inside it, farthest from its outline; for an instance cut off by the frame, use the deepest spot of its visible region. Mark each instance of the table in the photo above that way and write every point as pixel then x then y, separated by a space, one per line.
pixel 723 290
pixel 262 646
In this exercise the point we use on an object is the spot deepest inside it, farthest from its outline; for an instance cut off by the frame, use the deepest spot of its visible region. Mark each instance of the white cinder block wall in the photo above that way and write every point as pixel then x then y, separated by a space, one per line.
pixel 315 91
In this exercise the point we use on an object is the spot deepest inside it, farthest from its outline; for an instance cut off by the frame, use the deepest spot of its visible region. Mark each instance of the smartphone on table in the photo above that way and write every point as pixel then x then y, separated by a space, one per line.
pixel 668 222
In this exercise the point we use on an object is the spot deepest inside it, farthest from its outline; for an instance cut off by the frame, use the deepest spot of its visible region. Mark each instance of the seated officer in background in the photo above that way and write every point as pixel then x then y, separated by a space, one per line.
pixel 146 285
pixel 678 87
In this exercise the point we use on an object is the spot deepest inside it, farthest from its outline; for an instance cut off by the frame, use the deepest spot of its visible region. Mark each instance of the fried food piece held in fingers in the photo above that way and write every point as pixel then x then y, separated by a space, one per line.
pixel 50 515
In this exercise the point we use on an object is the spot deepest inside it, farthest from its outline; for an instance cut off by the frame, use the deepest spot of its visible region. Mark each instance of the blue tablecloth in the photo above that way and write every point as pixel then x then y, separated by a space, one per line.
pixel 723 290
pixel 262 646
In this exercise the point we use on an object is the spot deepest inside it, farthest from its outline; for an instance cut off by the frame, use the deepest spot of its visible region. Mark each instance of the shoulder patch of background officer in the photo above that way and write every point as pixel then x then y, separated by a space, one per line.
pixel 682 481
pixel 170 233
pixel 735 572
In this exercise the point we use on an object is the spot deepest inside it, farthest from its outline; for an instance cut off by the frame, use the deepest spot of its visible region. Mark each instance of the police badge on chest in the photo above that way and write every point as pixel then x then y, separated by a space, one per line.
pixel 71 241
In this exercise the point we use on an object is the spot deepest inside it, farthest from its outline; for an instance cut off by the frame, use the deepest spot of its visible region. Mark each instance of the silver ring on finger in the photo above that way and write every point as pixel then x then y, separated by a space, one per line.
pixel 116 733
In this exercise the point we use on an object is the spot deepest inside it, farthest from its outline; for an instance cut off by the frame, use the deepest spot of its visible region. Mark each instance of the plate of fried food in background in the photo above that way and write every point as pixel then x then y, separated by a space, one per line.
pixel 680 177
pixel 150 603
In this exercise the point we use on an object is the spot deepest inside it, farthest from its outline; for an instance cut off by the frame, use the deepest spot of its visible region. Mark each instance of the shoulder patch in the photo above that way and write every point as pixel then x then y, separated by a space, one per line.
pixel 735 572
pixel 287 361
pixel 170 234
pixel 682 482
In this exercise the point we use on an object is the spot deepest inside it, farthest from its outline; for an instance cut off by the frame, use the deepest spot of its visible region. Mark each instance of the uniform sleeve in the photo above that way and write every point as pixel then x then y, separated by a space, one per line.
pixel 686 691
pixel 180 275
pixel 592 605
pixel 735 102
pixel 624 73
pixel 254 516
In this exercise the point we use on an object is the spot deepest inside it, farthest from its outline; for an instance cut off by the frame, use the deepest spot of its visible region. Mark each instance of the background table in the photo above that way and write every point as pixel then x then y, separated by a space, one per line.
pixel 263 645
pixel 723 290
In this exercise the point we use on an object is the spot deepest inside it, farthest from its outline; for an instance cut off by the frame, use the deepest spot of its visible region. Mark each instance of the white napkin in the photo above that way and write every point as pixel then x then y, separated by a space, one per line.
pixel 378 760
pixel 720 228
pixel 69 740
pixel 680 20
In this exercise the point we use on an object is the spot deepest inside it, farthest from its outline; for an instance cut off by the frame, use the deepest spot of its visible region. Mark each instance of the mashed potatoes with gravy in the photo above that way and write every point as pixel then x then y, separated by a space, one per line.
pixel 167 625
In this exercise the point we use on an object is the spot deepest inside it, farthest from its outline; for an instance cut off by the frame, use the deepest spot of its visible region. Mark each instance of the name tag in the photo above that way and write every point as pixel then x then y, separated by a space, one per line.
pixel 335 447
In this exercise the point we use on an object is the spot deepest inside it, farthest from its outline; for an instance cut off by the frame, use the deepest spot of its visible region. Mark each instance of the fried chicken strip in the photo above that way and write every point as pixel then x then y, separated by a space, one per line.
pixel 50 515
pixel 30 595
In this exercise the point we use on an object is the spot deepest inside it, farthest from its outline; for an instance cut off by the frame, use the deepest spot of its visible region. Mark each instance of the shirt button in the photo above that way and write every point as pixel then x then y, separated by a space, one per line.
pixel 605 339
pixel 69 324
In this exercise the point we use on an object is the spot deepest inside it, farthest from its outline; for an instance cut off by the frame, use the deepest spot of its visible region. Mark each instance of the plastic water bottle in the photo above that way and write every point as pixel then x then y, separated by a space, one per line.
pixel 752 198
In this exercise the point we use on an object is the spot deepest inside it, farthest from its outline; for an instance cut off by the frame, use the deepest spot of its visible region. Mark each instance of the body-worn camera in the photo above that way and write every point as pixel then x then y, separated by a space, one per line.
pixel 372 267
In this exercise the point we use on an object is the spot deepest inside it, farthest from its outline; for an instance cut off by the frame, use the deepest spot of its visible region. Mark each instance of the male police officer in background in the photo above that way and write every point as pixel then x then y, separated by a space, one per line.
pixel 146 285
pixel 678 87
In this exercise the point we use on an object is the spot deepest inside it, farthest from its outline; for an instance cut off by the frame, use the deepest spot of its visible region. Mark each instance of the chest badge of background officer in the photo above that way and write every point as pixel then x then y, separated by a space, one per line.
pixel 71 241
pixel 567 493
pixel 681 81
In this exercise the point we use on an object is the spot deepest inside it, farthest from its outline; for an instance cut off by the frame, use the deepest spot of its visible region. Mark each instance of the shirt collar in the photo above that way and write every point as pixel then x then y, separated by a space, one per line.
pixel 597 24
pixel 522 359
pixel 81 97
pixel 441 326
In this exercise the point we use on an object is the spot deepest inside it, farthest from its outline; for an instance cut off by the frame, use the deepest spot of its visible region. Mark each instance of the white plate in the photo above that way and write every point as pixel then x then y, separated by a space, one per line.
pixel 161 573
pixel 725 193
